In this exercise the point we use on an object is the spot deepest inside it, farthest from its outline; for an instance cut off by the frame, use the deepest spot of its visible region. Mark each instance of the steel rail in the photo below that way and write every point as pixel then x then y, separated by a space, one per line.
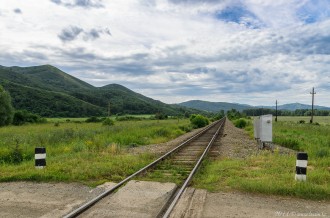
pixel 186 183
pixel 93 201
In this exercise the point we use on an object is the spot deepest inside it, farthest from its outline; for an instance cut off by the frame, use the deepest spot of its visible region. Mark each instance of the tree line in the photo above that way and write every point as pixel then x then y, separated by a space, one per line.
pixel 297 112
pixel 8 115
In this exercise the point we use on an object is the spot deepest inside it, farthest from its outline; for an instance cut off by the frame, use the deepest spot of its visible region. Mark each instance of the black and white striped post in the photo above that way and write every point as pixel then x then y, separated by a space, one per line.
pixel 301 166
pixel 40 157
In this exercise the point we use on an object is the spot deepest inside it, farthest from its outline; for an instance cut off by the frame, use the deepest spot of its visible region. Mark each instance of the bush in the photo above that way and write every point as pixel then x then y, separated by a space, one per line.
pixel 198 120
pixel 93 120
pixel 22 116
pixel 218 116
pixel 162 132
pixel 233 114
pixel 17 155
pixel 129 118
pixel 161 116
pixel 108 122
pixel 13 155
pixel 186 128
pixel 240 123
pixel 6 109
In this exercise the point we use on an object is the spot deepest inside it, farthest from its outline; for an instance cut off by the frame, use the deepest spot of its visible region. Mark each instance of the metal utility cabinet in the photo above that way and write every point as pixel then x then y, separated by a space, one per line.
pixel 256 126
pixel 263 131
pixel 266 128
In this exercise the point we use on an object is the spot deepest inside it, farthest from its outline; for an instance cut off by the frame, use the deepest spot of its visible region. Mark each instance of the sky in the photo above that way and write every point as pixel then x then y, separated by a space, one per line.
pixel 244 51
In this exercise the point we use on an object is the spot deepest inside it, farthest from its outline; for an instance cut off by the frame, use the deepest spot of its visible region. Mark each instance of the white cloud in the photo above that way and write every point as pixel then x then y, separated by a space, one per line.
pixel 177 50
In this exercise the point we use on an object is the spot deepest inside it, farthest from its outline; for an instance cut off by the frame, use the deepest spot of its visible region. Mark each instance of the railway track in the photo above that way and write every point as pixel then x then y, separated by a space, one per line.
pixel 179 164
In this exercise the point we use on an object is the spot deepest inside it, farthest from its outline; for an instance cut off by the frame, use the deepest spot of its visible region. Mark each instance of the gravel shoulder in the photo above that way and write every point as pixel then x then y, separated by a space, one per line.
pixel 236 143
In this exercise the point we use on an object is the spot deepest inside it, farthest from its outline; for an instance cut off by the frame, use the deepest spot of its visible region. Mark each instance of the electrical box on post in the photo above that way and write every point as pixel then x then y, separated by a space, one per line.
pixel 256 127
pixel 266 128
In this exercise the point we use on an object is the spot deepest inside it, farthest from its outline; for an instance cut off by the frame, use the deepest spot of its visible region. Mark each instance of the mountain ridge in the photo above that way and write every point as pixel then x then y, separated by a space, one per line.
pixel 218 106
pixel 50 92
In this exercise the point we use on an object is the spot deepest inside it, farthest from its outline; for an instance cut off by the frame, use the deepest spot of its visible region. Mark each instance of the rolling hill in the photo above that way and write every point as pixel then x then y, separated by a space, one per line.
pixel 214 106
pixel 297 106
pixel 50 92
pixel 218 106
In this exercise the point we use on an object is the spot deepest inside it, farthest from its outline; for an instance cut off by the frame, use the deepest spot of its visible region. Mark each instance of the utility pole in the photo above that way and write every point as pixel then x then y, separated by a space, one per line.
pixel 313 93
pixel 276 112
pixel 109 110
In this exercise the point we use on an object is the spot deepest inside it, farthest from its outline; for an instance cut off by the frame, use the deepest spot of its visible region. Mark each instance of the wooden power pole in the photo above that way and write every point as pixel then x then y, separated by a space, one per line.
pixel 276 112
pixel 313 93
pixel 109 110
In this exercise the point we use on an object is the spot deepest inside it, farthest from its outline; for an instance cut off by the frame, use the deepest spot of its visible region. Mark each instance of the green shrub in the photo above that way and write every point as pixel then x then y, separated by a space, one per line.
pixel 93 120
pixel 218 116
pixel 22 116
pixel 161 116
pixel 108 122
pixel 162 132
pixel 6 109
pixel 240 123
pixel 198 120
pixel 128 118
pixel 17 155
pixel 13 155
pixel 233 114
pixel 186 128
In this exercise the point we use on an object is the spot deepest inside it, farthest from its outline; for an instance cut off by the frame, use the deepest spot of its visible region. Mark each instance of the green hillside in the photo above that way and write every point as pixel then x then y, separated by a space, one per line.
pixel 214 106
pixel 48 103
pixel 44 77
pixel 50 92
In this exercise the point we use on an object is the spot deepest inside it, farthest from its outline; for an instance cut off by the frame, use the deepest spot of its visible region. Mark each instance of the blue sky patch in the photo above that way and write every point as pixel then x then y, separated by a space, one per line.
pixel 314 11
pixel 240 15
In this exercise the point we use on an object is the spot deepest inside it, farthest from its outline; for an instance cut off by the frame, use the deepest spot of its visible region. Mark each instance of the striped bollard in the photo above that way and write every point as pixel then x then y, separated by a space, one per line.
pixel 40 157
pixel 301 166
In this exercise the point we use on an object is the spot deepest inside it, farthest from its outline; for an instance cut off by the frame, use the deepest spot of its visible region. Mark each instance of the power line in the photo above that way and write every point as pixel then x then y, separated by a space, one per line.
pixel 276 112
pixel 312 93
pixel 109 109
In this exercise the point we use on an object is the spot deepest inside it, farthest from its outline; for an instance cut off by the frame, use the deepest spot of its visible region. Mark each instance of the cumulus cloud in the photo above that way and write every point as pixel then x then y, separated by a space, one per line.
pixel 79 3
pixel 248 51
pixel 70 33
pixel 196 1
pixel 96 33
pixel 17 11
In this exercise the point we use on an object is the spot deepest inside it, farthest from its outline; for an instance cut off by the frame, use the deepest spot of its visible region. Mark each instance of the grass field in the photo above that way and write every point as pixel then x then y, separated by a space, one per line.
pixel 273 173
pixel 318 119
pixel 82 119
pixel 84 152
pixel 92 154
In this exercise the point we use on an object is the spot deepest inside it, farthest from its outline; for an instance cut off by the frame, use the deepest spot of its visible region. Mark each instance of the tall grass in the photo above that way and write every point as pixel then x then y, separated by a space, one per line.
pixel 273 173
pixel 80 151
